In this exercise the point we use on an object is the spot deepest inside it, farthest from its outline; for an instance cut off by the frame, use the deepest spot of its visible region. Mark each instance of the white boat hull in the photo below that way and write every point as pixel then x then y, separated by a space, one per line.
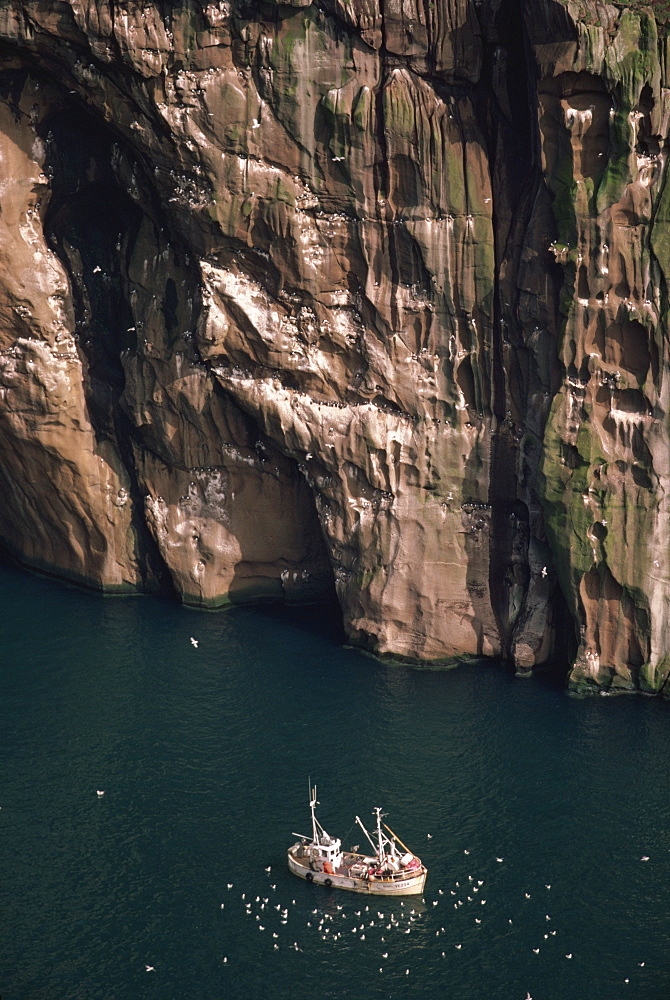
pixel 411 885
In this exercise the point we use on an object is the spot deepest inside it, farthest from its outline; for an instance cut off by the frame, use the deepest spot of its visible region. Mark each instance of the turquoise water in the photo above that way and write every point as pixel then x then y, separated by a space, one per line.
pixel 204 755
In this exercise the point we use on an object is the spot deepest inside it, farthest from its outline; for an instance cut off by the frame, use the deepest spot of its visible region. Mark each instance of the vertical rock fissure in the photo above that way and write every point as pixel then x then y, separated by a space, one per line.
pixel 92 225
pixel 504 101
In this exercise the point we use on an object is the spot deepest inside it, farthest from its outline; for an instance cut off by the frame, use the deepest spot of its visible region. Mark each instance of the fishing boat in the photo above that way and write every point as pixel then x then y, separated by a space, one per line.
pixel 390 869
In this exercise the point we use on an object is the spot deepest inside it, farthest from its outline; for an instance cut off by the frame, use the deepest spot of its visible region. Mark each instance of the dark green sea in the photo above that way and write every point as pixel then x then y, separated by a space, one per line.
pixel 204 756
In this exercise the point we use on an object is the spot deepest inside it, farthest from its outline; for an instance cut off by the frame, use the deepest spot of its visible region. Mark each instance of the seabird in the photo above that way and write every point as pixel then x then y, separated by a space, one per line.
pixel 536 951
pixel 458 946
pixel 149 968
pixel 194 642
pixel 569 956
pixel 99 793
pixel 500 859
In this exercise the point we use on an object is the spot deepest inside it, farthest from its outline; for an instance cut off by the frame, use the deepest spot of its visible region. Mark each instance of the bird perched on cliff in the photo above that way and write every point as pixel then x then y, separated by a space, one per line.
pixel 194 642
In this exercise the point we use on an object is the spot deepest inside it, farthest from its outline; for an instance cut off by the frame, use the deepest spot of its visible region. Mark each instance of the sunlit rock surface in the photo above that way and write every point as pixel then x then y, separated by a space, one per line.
pixel 367 295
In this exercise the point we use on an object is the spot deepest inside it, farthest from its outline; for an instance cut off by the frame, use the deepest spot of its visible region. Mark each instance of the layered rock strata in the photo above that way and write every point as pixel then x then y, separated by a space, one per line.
pixel 367 295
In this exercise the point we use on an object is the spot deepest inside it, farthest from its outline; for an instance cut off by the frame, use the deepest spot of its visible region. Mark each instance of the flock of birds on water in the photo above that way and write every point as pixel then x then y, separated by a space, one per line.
pixel 384 921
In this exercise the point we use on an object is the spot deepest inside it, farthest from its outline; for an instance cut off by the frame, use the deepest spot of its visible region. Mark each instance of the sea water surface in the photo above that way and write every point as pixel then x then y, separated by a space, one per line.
pixel 533 811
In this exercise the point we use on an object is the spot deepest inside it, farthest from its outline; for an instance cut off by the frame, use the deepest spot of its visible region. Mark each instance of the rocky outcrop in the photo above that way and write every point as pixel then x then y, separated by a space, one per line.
pixel 363 295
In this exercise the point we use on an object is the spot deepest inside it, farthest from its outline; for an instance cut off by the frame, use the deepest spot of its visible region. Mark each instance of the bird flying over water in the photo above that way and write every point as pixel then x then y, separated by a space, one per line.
pixel 194 642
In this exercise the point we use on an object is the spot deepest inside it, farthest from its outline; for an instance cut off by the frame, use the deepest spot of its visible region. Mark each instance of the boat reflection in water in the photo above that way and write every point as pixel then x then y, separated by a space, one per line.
pixel 390 870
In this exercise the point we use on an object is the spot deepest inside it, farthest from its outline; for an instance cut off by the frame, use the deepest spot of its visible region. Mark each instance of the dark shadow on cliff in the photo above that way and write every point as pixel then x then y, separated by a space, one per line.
pixel 92 225
pixel 502 523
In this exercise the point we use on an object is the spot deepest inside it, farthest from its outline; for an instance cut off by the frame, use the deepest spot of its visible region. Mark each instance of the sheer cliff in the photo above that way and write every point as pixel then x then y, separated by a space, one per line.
pixel 369 295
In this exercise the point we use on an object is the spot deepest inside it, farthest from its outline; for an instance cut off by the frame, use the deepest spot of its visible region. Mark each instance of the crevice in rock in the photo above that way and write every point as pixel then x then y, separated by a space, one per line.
pixel 92 225
pixel 506 100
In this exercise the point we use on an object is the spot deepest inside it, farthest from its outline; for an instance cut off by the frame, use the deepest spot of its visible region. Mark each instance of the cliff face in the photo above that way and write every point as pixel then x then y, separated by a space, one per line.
pixel 368 293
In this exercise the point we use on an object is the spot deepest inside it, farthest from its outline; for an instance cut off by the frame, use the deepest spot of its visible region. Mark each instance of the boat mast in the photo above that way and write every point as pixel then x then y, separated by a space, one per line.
pixel 380 849
pixel 313 804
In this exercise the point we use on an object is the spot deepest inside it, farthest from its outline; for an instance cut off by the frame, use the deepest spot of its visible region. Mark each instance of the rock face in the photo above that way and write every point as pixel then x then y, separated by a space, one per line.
pixel 366 294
